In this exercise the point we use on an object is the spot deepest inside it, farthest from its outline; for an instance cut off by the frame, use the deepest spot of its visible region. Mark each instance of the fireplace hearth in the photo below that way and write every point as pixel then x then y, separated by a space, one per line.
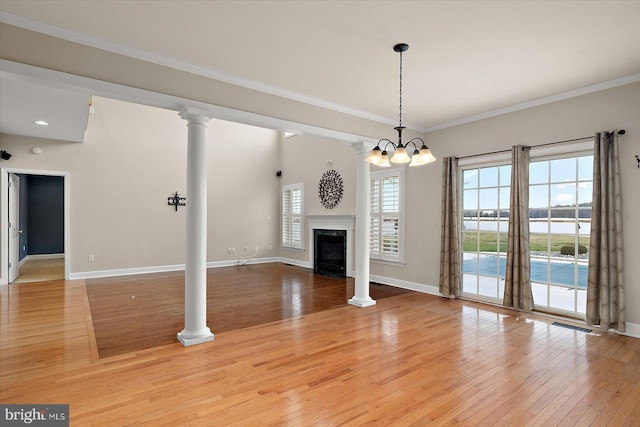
pixel 330 252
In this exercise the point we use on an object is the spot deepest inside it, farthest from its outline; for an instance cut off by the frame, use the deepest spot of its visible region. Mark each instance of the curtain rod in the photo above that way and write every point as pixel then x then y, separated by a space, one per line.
pixel 620 132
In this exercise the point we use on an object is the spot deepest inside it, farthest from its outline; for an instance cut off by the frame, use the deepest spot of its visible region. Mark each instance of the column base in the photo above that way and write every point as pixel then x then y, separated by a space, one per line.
pixel 190 339
pixel 362 302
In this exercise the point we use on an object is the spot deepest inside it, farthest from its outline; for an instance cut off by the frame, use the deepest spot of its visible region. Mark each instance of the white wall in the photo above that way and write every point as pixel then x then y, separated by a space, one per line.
pixel 132 159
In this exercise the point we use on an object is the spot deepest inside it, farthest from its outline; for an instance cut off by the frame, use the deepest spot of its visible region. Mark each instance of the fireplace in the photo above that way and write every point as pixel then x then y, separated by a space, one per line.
pixel 330 252
pixel 328 223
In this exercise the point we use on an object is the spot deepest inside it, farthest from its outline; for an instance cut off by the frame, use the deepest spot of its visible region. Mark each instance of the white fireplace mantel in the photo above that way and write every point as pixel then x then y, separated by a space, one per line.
pixel 334 222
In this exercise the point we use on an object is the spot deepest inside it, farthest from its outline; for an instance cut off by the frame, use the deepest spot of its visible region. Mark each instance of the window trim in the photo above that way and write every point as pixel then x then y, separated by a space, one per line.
pixel 386 259
pixel 289 245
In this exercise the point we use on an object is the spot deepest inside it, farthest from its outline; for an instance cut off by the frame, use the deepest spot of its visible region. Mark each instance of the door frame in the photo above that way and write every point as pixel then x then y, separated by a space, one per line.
pixel 13 229
pixel 4 217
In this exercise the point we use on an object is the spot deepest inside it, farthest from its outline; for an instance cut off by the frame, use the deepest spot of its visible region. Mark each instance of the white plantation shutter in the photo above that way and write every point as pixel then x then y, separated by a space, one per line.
pixel 386 228
pixel 296 217
pixel 292 215
pixel 390 199
pixel 286 217
pixel 374 236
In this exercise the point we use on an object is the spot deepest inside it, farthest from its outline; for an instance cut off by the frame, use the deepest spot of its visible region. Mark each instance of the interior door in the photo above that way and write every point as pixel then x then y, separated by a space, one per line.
pixel 14 227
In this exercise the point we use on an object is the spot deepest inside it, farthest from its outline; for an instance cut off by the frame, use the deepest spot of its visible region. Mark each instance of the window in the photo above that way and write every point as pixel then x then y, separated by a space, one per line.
pixel 386 194
pixel 293 216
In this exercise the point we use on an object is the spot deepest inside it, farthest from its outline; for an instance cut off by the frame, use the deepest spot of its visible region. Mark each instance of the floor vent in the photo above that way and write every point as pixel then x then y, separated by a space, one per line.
pixel 575 328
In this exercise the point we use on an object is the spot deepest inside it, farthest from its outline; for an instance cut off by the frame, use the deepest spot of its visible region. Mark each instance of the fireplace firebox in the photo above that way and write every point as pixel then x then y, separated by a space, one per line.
pixel 330 252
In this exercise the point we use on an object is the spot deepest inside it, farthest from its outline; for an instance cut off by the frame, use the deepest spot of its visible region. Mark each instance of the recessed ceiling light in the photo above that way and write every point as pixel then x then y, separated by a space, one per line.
pixel 41 123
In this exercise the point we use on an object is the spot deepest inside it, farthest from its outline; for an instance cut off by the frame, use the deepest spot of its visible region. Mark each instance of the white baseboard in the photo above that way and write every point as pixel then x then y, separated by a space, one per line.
pixel 633 330
pixel 124 271
pixel 413 286
pixel 231 263
pixel 162 268
pixel 296 262
pixel 45 256
pixel 39 257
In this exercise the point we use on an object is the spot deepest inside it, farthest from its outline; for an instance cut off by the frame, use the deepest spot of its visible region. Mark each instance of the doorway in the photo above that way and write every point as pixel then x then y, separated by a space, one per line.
pixel 35 216
pixel 14 229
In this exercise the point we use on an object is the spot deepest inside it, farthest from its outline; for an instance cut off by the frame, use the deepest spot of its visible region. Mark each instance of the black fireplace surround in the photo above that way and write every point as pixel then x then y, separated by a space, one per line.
pixel 330 252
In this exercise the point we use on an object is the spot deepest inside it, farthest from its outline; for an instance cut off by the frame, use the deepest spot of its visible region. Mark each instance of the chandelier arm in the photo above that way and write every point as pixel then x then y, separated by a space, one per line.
pixel 387 144
pixel 412 141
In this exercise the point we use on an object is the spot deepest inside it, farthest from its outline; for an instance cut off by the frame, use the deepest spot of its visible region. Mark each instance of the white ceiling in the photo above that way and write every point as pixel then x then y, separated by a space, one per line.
pixel 23 101
pixel 466 59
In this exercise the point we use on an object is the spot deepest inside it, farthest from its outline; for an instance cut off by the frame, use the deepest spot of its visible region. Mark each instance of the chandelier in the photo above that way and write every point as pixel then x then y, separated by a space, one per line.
pixel 418 157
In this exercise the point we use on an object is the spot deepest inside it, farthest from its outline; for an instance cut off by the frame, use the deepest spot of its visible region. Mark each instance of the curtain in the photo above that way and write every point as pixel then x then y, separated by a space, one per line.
pixel 450 244
pixel 605 287
pixel 517 287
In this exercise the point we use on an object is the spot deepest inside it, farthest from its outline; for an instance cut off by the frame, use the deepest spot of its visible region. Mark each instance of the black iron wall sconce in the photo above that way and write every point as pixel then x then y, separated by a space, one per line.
pixel 176 200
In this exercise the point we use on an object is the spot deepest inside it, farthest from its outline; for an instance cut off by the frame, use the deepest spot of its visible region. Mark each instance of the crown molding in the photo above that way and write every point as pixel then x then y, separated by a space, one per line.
pixel 540 101
pixel 167 61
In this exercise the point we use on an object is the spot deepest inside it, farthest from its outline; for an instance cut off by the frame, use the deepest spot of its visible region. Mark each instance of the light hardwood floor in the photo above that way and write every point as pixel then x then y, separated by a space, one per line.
pixel 411 359
pixel 39 270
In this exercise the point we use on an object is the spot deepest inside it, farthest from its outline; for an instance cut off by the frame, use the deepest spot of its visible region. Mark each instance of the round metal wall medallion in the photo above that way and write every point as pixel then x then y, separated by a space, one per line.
pixel 330 189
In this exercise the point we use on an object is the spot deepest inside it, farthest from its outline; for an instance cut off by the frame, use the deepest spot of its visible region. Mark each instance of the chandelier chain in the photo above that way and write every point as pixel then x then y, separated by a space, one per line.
pixel 400 89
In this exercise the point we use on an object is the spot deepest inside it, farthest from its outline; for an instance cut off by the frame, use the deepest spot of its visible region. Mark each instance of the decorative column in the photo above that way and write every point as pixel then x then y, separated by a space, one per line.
pixel 195 276
pixel 361 297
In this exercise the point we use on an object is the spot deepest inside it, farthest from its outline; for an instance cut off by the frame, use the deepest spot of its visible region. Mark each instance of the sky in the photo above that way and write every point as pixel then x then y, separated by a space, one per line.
pixel 559 182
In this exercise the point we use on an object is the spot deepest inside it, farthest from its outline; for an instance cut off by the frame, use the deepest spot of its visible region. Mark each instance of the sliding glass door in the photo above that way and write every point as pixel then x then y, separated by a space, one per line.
pixel 560 192
pixel 485 210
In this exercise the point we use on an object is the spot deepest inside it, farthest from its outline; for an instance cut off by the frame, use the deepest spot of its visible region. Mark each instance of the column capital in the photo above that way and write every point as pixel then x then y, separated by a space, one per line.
pixel 362 146
pixel 195 115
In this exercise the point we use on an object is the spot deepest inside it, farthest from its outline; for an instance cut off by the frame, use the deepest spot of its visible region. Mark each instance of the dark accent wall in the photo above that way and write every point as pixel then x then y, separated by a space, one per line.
pixel 24 210
pixel 45 215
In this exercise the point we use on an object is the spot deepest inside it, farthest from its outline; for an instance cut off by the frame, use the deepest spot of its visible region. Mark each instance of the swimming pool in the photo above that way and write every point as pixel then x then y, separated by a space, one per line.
pixel 562 273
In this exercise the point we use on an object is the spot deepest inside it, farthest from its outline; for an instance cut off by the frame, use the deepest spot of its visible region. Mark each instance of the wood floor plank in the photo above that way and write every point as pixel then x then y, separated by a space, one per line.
pixel 411 359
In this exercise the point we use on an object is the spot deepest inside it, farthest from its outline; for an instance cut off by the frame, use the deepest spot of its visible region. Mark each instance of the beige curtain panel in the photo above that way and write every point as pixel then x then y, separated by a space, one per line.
pixel 450 241
pixel 517 286
pixel 605 287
